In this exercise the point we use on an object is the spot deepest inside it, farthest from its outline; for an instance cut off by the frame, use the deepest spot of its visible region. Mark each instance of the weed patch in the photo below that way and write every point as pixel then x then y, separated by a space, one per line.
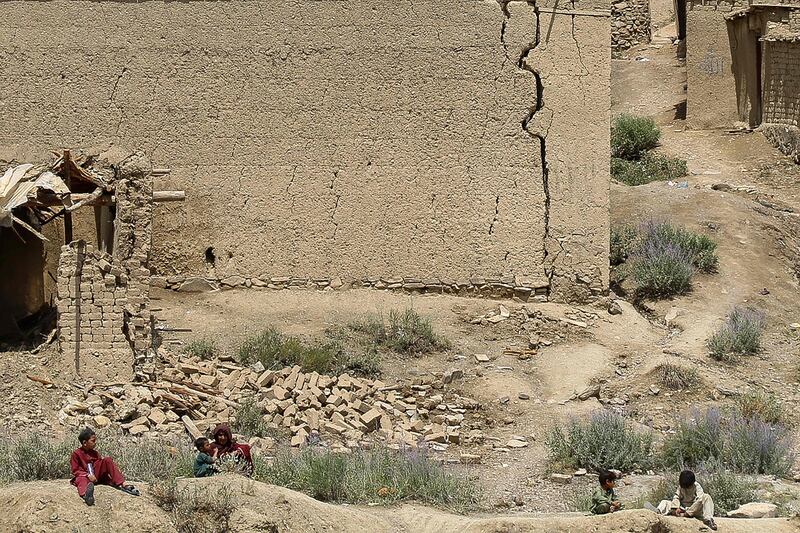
pixel 195 510
pixel 676 377
pixel 762 405
pixel 33 458
pixel 605 440
pixel 651 167
pixel 275 350
pixel 249 420
pixel 622 239
pixel 405 332
pixel 739 335
pixel 632 136
pixel 368 476
pixel 202 348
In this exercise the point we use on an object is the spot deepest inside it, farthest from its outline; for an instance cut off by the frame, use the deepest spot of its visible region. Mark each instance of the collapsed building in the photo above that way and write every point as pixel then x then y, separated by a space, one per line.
pixel 101 290
pixel 458 147
pixel 743 67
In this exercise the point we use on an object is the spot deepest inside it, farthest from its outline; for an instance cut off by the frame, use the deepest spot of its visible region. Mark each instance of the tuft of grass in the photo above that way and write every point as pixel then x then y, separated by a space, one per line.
pixel 739 335
pixel 676 377
pixel 622 240
pixel 632 136
pixel 249 419
pixel 368 476
pixel 605 440
pixel 762 405
pixel 696 440
pixel 275 350
pixel 580 501
pixel 148 460
pixel 204 349
pixel 405 332
pixel 651 167
pixel 193 509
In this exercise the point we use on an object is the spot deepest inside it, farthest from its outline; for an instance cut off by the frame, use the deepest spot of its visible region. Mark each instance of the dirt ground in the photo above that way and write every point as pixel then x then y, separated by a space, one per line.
pixel 754 218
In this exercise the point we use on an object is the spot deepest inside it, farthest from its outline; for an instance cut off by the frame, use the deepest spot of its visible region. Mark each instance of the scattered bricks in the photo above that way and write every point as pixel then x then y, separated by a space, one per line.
pixel 138 430
pixel 451 375
pixel 188 368
pixel 482 358
pixel 157 416
pixel 317 394
pixel 337 429
pixel 562 479
pixel 437 436
pixel 291 410
pixel 101 421
pixel 371 418
pixel 454 437
pixel 208 381
pixel 278 393
pixel 301 380
pixel 470 459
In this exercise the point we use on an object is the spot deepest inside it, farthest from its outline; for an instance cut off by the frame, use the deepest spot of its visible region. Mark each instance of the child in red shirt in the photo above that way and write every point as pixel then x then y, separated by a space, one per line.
pixel 89 468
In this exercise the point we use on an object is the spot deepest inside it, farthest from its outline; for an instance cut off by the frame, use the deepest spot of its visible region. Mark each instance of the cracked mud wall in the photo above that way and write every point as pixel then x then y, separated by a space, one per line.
pixel 337 138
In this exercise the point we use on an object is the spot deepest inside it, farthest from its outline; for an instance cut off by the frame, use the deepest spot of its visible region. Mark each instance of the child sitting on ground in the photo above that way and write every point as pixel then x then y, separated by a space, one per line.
pixel 604 500
pixel 204 462
pixel 89 468
pixel 689 501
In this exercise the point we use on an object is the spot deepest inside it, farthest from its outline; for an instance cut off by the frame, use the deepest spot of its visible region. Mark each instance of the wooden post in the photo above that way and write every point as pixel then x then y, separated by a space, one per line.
pixel 80 254
pixel 67 215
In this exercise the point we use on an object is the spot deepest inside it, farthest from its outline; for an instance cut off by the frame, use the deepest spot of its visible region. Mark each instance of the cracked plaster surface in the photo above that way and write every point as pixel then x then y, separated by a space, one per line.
pixel 330 139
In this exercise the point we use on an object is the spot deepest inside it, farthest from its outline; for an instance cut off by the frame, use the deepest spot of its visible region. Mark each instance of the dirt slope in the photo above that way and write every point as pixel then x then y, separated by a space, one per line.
pixel 54 507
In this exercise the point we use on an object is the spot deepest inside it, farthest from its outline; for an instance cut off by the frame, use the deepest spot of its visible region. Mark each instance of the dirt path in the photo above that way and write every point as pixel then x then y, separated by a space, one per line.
pixel 53 506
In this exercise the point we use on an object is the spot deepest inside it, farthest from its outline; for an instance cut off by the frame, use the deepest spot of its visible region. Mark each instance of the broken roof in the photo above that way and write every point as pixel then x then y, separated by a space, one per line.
pixel 36 187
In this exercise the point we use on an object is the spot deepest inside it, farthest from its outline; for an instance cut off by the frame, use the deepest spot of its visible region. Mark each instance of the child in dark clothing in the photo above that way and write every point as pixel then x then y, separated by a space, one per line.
pixel 604 500
pixel 204 462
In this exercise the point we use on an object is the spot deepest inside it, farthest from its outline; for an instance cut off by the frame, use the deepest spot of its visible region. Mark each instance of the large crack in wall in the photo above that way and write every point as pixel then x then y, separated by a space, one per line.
pixel 530 123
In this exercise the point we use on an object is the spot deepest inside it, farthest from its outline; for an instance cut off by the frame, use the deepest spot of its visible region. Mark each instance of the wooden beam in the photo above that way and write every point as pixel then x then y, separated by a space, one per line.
pixel 85 199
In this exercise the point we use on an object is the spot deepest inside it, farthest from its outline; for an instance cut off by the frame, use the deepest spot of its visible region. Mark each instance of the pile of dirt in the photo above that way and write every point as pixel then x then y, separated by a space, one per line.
pixel 54 506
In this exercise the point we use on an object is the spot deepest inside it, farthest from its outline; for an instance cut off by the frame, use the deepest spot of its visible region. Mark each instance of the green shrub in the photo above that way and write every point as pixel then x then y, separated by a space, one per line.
pixel 367 476
pixel 761 405
pixel 662 258
pixel 696 440
pixel 605 440
pixel 675 376
pixel 203 348
pixel 32 458
pixel 195 509
pixel 580 501
pixel 622 240
pixel 660 270
pixel 740 335
pixel 405 332
pixel 743 445
pixel 700 249
pixel 729 490
pixel 275 350
pixel 755 447
pixel 632 136
pixel 651 167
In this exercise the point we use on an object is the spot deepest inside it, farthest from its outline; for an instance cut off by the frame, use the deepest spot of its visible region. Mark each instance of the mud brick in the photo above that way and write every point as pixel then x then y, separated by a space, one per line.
pixel 277 392
pixel 266 378
pixel 371 418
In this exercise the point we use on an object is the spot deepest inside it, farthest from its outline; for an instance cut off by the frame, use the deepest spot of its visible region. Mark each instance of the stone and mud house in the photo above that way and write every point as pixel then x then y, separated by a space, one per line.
pixel 428 146
pixel 743 67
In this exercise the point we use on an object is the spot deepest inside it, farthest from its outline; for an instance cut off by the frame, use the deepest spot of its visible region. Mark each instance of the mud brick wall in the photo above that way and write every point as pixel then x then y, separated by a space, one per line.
pixel 338 139
pixel 630 24
pixel 92 297
pixel 782 82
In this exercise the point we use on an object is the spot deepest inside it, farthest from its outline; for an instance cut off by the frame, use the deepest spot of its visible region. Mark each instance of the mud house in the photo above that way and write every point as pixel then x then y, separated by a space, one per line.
pixel 431 146
pixel 742 67
pixel 100 276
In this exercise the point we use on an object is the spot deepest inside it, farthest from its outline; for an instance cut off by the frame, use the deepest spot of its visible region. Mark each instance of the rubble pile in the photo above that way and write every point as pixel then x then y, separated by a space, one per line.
pixel 194 396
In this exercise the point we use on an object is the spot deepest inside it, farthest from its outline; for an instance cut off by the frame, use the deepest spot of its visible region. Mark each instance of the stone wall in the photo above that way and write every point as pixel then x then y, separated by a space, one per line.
pixel 334 139
pixel 630 24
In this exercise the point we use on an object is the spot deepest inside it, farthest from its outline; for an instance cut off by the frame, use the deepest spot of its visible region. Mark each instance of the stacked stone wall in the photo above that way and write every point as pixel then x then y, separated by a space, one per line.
pixel 782 83
pixel 630 24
